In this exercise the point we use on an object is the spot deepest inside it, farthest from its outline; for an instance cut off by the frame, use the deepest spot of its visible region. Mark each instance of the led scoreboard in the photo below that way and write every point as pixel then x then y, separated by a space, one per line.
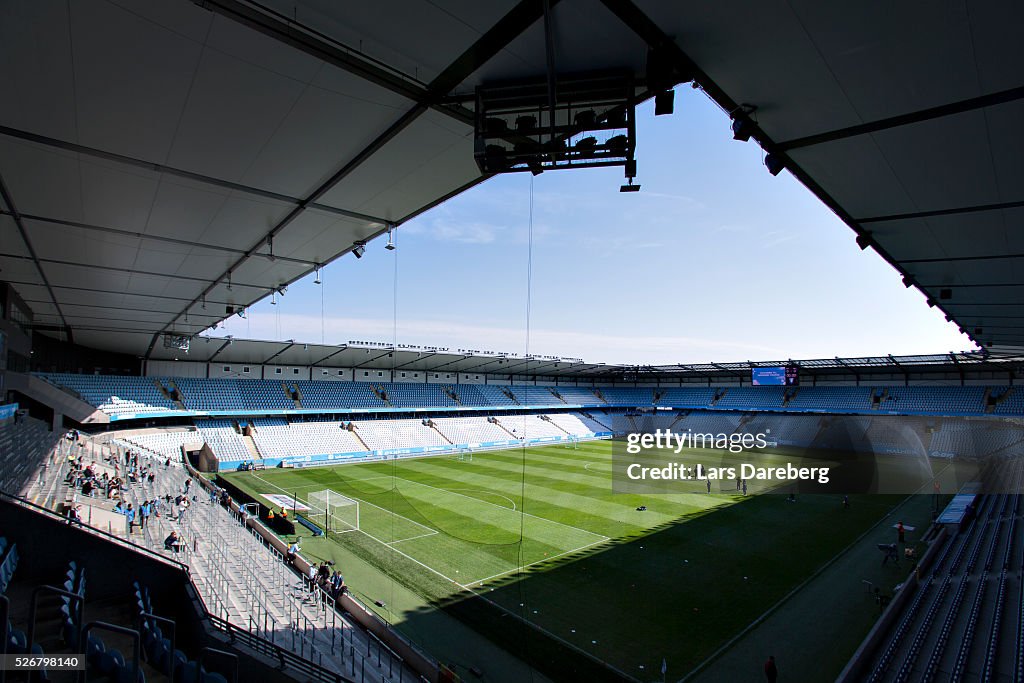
pixel 776 376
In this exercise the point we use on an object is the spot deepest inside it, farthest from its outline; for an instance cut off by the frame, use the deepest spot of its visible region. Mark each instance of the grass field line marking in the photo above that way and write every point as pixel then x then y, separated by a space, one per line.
pixel 502 507
pixel 526 566
pixel 364 502
pixel 412 538
pixel 820 570
pixel 385 544
pixel 484 597
pixel 490 493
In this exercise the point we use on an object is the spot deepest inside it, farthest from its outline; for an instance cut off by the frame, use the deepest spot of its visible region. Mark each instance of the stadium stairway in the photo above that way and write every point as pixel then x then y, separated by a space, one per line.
pixel 246 583
pixel 965 622
pixel 250 585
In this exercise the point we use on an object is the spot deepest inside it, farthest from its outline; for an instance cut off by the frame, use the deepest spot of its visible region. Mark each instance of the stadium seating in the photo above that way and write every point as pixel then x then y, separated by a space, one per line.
pixel 224 440
pixel 128 396
pixel 581 396
pixel 831 398
pixel 275 438
pixel 628 396
pixel 23 446
pixel 333 395
pixel 947 400
pixel 530 427
pixel 494 395
pixel 574 424
pixel 417 395
pixel 116 394
pixel 381 435
pixel 470 430
pixel 750 397
pixel 164 443
pixel 686 397
pixel 534 396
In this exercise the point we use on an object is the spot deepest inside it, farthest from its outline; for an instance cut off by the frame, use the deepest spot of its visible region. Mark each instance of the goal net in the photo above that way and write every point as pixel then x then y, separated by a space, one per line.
pixel 340 513
pixel 462 456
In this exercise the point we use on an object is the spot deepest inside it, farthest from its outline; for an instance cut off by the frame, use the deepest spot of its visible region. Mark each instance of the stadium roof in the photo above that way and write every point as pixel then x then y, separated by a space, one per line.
pixel 163 161
pixel 365 355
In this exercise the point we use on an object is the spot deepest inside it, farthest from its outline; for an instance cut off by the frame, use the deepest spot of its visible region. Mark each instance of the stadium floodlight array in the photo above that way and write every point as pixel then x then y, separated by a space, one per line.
pixel 339 512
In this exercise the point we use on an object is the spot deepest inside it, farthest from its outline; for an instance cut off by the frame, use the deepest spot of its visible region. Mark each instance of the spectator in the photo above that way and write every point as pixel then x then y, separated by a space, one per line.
pixel 293 551
pixel 337 584
pixel 173 542
pixel 144 512
pixel 74 515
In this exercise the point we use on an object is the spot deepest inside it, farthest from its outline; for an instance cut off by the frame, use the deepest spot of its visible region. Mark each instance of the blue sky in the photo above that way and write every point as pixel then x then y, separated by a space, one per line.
pixel 713 260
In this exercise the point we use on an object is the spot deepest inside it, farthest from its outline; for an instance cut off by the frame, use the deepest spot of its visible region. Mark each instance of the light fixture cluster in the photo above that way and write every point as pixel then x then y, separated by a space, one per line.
pixel 744 126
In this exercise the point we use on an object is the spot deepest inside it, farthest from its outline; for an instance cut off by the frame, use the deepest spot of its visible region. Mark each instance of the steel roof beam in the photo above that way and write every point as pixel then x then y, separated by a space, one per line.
pixel 13 212
pixel 943 110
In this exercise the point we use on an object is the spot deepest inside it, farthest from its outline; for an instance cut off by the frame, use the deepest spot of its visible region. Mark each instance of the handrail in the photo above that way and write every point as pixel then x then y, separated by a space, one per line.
pixel 143 616
pixel 94 530
pixel 282 655
pixel 113 628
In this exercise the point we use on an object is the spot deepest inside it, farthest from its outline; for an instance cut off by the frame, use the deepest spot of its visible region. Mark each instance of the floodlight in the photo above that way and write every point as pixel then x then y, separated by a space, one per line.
pixel 358 249
pixel 390 246
pixel 945 293
pixel 630 187
pixel 864 241
pixel 742 128
pixel 774 163
pixel 931 303
pixel 273 298
pixel 908 281
pixel 317 280
pixel 978 330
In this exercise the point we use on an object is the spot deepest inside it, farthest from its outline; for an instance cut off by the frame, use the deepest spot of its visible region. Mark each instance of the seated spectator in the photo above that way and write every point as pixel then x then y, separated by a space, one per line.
pixel 173 542
pixel 87 487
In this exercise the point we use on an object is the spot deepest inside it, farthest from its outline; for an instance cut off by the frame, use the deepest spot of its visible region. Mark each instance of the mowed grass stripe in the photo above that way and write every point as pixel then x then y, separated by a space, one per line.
pixel 599 510
pixel 477 541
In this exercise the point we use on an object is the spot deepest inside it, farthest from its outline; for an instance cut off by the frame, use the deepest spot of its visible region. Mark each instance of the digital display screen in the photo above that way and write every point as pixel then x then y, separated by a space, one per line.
pixel 777 376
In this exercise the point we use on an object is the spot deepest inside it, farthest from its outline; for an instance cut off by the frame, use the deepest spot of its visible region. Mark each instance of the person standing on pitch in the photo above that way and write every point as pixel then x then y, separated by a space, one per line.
pixel 900 532
pixel 771 672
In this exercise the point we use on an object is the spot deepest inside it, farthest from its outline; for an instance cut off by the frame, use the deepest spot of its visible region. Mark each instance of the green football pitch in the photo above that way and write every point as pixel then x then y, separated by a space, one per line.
pixel 537 539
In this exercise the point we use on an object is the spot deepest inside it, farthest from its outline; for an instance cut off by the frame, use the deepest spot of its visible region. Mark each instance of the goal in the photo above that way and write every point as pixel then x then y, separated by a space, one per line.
pixel 462 456
pixel 339 512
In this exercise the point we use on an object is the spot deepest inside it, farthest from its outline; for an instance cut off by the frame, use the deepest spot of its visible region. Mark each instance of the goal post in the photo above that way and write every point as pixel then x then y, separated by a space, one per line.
pixel 340 512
